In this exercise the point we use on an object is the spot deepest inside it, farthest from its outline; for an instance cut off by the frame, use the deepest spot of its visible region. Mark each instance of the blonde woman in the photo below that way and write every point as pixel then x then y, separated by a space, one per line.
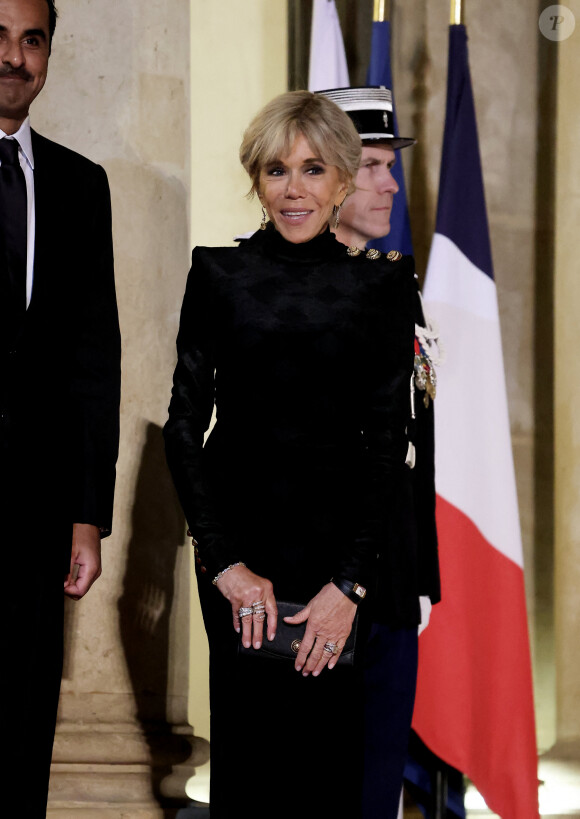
pixel 307 352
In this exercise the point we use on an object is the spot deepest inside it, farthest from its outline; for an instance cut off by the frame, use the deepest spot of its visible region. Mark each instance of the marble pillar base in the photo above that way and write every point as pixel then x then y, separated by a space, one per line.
pixel 123 769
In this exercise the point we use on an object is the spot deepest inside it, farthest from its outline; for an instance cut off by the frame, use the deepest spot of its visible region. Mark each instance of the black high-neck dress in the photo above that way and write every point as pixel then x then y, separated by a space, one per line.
pixel 308 354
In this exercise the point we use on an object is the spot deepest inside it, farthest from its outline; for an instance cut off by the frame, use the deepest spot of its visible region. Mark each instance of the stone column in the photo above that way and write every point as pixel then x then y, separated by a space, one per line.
pixel 118 92
pixel 567 399
pixel 560 767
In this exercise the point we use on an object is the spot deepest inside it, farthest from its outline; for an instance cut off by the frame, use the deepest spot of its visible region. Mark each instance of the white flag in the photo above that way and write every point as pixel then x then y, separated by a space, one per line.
pixel 328 67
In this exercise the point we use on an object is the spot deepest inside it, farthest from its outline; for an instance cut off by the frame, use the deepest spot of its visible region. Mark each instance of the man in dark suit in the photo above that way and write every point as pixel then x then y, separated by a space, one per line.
pixel 59 398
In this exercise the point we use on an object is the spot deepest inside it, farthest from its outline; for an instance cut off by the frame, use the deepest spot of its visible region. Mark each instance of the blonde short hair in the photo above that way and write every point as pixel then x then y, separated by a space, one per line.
pixel 328 130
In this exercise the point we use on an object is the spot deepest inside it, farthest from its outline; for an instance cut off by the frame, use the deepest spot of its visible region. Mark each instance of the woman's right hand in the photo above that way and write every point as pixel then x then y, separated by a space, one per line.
pixel 244 589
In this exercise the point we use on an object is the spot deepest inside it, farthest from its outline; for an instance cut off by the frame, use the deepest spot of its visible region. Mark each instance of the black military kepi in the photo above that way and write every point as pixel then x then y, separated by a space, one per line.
pixel 371 110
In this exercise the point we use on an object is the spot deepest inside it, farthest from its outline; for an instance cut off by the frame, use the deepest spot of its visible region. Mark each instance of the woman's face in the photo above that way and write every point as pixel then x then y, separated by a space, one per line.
pixel 299 192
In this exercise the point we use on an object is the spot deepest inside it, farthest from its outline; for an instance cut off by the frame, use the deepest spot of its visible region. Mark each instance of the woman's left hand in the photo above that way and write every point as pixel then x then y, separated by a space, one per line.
pixel 330 615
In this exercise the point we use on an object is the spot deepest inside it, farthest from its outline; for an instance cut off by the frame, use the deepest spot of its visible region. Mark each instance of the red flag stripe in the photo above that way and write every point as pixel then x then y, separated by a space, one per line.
pixel 477 641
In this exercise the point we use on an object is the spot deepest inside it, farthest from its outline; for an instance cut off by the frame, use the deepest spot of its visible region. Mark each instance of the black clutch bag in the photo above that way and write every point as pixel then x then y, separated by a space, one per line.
pixel 286 643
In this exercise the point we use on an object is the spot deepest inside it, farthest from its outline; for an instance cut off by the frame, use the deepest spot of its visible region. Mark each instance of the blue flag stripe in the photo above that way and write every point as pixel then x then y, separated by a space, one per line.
pixel 461 213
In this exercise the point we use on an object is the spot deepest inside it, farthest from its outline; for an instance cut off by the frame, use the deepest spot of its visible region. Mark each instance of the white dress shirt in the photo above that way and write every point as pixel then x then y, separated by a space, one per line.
pixel 27 164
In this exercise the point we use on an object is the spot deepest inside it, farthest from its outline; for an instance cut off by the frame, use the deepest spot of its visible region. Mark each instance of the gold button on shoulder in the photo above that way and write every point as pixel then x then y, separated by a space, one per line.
pixel 373 254
pixel 353 251
pixel 394 255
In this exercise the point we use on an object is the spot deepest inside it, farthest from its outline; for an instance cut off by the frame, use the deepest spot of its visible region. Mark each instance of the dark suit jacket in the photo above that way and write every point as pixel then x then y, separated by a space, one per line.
pixel 60 373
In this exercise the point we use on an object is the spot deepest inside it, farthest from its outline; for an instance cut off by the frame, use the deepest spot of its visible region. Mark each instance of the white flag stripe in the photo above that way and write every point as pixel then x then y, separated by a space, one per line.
pixel 471 418
pixel 475 293
pixel 328 68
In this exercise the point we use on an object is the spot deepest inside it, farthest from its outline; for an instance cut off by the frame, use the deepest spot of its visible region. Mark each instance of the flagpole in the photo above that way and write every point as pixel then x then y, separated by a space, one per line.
pixel 456 12
pixel 381 11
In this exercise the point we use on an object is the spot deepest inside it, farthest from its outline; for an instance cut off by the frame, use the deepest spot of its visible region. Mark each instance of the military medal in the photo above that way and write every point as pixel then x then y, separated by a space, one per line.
pixel 425 375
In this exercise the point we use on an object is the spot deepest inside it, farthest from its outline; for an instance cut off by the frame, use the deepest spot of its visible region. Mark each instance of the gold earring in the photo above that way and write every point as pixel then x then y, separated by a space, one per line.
pixel 264 221
pixel 336 214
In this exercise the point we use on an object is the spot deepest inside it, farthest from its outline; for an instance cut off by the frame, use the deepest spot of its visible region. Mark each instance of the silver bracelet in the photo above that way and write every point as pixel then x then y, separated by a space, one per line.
pixel 227 569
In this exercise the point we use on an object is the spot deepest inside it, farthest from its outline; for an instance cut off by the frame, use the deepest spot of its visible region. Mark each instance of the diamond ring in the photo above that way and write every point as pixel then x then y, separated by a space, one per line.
pixel 244 611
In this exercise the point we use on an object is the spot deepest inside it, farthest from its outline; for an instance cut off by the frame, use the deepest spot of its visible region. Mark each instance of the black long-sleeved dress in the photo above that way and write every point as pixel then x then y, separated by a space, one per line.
pixel 308 354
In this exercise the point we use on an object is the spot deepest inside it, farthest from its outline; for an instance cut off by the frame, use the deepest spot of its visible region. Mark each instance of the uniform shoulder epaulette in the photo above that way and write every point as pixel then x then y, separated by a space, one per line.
pixel 373 254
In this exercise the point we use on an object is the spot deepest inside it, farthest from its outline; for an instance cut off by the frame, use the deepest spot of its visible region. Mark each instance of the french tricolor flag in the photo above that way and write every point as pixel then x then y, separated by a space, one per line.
pixel 474 704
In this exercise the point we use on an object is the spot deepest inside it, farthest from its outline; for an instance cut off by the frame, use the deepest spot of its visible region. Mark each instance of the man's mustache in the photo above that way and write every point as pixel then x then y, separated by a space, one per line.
pixel 21 73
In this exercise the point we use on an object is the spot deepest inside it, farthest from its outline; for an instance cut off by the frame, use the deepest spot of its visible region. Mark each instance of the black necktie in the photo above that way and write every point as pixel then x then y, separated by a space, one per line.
pixel 13 233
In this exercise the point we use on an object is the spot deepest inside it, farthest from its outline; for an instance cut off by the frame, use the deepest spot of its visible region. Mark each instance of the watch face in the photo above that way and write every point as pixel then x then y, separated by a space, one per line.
pixel 359 590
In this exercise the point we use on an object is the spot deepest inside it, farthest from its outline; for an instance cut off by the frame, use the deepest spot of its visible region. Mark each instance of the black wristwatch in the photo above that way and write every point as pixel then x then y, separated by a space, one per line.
pixel 354 591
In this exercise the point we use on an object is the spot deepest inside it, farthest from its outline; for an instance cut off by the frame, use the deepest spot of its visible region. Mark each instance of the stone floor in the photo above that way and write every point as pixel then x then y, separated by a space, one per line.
pixel 559 793
pixel 559 772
